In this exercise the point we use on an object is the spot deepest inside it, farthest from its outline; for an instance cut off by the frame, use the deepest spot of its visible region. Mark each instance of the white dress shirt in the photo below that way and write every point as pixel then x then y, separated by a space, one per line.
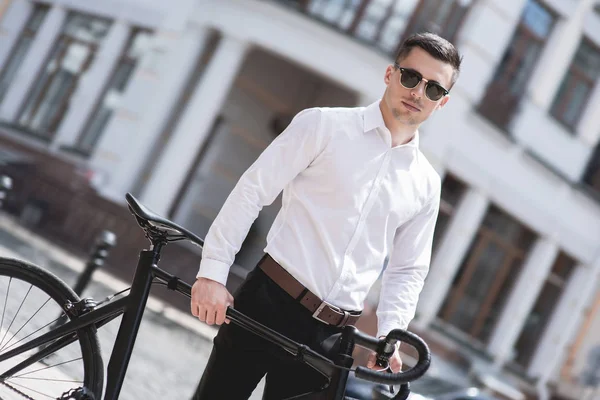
pixel 350 200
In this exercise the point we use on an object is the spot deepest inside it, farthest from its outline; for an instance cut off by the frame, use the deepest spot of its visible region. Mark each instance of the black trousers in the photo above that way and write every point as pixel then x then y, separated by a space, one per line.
pixel 240 359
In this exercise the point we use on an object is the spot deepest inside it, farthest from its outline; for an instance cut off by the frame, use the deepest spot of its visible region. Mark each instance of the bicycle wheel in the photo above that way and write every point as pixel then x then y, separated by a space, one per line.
pixel 32 300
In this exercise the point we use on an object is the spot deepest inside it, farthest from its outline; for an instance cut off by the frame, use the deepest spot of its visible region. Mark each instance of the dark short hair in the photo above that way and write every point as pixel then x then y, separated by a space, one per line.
pixel 436 46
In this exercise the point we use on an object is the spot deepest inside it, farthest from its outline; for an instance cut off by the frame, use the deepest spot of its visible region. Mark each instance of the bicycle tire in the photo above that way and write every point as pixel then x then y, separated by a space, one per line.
pixel 61 293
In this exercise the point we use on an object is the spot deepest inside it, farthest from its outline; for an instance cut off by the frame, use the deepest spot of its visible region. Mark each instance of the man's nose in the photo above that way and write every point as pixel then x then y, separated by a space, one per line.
pixel 418 91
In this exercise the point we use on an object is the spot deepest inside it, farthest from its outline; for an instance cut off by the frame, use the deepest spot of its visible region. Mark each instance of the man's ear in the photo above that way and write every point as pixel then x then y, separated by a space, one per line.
pixel 443 102
pixel 388 74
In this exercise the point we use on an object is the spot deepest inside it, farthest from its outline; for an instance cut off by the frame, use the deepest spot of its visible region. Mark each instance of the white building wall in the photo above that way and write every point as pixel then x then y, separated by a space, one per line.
pixel 481 40
pixel 145 108
pixel 544 136
pixel 564 322
pixel 202 110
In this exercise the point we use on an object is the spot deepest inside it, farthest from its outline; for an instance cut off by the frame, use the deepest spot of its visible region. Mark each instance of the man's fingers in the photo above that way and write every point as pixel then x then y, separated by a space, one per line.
pixel 210 317
pixel 396 364
pixel 201 313
pixel 220 315
pixel 371 360
pixel 209 301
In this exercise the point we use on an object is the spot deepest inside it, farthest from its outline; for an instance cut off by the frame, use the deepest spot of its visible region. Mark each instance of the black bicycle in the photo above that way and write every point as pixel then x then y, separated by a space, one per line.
pixel 49 348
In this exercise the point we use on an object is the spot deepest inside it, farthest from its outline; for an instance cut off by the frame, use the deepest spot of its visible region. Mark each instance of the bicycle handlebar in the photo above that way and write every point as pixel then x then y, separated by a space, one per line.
pixel 381 346
pixel 397 378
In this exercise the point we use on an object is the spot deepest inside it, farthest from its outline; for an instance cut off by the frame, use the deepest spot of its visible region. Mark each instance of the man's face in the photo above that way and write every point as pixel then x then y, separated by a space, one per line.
pixel 411 106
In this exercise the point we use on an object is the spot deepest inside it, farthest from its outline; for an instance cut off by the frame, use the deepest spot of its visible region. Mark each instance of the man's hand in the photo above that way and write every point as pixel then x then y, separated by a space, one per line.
pixel 210 300
pixel 395 363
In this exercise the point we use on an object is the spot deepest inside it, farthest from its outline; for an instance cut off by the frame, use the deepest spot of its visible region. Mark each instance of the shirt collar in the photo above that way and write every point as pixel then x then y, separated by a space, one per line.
pixel 373 119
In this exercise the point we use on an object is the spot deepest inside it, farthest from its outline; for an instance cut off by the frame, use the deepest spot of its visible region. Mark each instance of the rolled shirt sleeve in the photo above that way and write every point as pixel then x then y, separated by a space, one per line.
pixel 287 155
pixel 407 268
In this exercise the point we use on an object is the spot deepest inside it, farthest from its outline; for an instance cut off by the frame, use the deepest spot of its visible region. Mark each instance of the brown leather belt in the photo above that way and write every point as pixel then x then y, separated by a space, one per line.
pixel 320 309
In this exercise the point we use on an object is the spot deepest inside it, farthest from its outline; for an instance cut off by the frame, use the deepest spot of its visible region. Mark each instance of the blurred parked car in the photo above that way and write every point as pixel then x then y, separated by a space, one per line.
pixel 425 388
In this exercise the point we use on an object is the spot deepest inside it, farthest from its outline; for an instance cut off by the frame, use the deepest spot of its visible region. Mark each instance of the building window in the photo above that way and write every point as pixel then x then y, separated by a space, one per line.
pixel 539 316
pixel 21 48
pixel 486 277
pixel 452 192
pixel 111 98
pixel 70 57
pixel 439 16
pixel 382 23
pixel 577 85
pixel 504 93
pixel 340 14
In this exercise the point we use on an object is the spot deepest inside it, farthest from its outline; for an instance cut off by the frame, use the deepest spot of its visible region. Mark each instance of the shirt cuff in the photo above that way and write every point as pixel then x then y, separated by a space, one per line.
pixel 213 269
pixel 385 328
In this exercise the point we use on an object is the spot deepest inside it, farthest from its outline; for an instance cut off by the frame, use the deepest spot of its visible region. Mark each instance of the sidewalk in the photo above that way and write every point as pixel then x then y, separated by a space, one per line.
pixel 172 347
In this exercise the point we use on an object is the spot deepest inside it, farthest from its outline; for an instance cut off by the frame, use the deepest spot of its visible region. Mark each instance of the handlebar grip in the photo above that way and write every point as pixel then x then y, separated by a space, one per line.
pixel 400 377
pixel 403 393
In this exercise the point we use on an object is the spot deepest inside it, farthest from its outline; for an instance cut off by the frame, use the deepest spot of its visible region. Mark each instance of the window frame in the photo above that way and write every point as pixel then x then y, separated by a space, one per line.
pixel 26 32
pixel 561 100
pixel 124 58
pixel 63 39
pixel 499 104
pixel 512 253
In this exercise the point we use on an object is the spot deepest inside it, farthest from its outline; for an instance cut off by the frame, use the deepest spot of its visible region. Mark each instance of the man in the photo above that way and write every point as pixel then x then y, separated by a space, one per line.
pixel 356 189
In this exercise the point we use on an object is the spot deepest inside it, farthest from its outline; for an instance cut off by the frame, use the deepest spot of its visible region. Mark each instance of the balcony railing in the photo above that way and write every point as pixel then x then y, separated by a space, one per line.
pixel 383 24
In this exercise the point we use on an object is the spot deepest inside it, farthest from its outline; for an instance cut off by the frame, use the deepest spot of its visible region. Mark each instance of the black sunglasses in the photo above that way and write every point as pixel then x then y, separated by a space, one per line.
pixel 409 78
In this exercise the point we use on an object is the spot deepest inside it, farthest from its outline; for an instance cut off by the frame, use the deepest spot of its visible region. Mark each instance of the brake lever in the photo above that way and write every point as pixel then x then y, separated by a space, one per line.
pixel 385 350
pixel 413 373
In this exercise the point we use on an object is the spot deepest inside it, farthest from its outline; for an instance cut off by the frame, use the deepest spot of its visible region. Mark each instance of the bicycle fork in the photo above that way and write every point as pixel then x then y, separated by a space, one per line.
pixel 130 323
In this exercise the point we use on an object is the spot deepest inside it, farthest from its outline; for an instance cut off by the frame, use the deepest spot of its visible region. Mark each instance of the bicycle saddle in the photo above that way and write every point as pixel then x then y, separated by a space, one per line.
pixel 147 219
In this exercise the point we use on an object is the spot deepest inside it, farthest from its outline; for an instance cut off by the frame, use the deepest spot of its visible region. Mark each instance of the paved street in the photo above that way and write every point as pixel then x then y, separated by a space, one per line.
pixel 172 347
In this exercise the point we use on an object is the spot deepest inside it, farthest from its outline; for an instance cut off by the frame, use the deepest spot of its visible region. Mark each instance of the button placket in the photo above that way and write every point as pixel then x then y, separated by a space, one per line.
pixel 345 274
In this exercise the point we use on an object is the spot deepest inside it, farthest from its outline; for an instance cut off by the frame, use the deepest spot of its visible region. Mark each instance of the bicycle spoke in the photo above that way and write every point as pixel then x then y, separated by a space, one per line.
pixel 47 379
pixel 23 326
pixel 45 368
pixel 32 390
pixel 33 333
pixel 16 314
pixel 44 353
pixel 44 350
pixel 5 303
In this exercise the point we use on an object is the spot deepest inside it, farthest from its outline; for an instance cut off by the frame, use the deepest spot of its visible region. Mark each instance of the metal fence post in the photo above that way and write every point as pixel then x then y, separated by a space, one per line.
pixel 105 241
pixel 5 187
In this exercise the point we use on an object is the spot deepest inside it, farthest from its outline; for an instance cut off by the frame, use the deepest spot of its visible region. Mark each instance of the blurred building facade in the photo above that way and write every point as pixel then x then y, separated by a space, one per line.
pixel 172 102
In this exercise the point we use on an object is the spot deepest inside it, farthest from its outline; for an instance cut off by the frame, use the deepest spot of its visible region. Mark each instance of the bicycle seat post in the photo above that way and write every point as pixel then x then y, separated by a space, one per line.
pixel 132 316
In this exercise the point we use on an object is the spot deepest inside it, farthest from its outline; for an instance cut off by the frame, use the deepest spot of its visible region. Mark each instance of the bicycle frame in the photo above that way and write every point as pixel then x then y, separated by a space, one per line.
pixel 133 305
pixel 86 314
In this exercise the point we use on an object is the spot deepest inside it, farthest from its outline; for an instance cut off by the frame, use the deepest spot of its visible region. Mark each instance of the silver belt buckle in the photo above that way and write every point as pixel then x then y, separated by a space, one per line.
pixel 319 309
pixel 325 304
